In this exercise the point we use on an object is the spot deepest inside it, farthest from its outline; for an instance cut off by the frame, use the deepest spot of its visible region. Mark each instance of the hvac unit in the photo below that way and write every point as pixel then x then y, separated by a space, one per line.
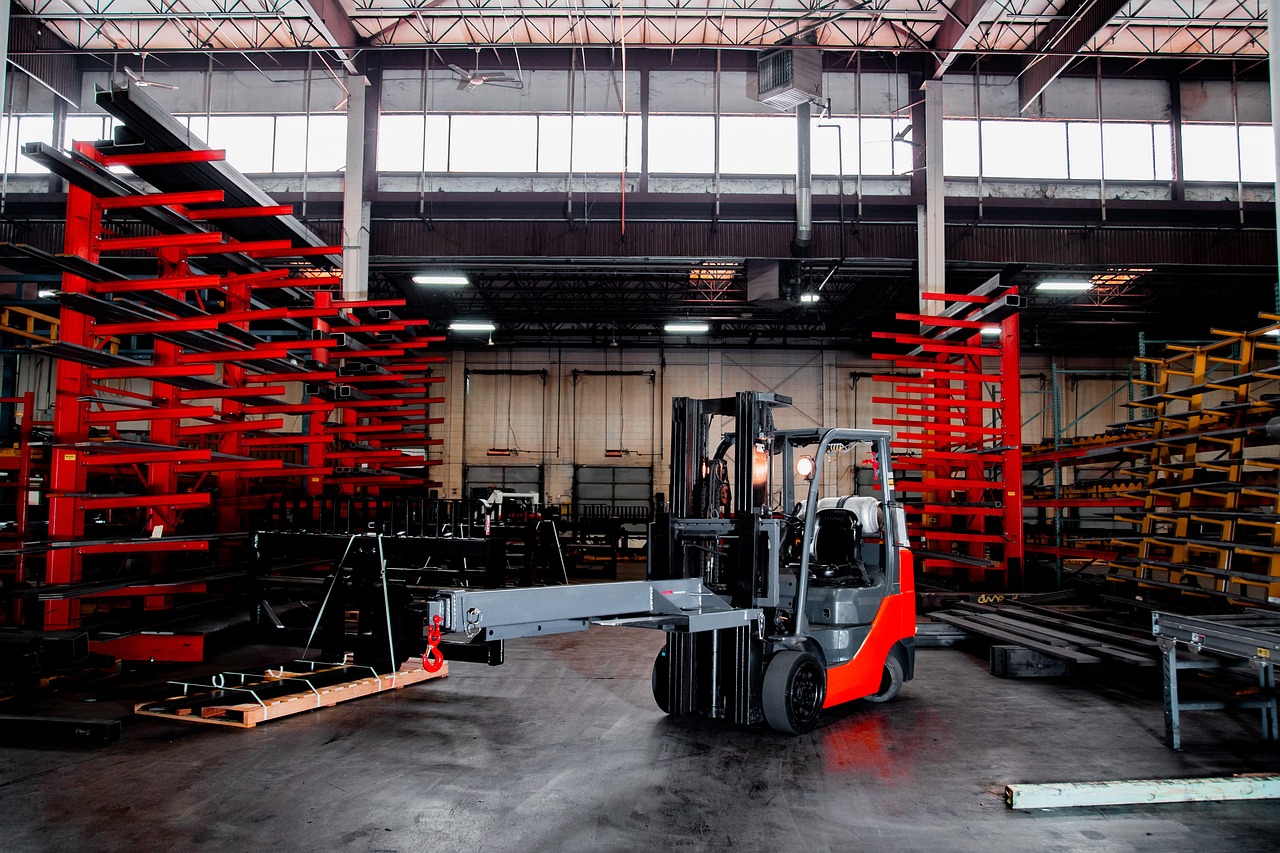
pixel 787 78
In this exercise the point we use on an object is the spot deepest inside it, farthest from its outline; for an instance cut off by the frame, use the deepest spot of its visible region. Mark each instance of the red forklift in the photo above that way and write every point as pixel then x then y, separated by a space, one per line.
pixel 778 601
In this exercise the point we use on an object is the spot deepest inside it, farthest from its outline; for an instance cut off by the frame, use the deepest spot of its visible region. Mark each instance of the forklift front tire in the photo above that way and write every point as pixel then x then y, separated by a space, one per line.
pixel 890 681
pixel 795 685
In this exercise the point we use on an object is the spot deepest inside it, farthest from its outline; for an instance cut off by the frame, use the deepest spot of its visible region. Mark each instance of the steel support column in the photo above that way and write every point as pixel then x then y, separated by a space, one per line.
pixel 355 210
pixel 933 219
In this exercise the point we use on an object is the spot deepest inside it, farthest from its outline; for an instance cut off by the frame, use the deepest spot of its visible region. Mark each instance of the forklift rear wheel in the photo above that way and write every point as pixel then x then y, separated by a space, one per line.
pixel 661 681
pixel 795 685
pixel 890 682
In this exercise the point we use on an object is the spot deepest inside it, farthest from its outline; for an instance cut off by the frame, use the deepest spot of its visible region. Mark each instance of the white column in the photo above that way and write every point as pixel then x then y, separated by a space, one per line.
pixel 355 211
pixel 933 221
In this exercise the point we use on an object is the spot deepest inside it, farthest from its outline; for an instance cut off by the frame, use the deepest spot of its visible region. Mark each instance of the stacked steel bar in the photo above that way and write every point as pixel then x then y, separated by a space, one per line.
pixel 957 424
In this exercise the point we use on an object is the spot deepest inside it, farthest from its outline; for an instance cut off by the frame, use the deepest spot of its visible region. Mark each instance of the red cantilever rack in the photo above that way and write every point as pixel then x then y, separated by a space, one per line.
pixel 197 428
pixel 957 423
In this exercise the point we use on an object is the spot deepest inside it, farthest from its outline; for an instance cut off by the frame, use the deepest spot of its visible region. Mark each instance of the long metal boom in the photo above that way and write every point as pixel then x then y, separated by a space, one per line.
pixel 504 614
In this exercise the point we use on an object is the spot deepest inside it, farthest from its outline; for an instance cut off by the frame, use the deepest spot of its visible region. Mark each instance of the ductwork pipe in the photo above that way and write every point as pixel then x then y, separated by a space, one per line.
pixel 804 181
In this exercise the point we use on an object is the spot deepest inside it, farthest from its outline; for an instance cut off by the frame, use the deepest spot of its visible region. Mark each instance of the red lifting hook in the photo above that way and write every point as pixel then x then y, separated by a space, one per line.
pixel 432 659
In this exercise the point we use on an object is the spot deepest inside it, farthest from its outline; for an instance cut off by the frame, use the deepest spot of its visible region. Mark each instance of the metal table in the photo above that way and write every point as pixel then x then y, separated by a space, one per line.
pixel 1238 639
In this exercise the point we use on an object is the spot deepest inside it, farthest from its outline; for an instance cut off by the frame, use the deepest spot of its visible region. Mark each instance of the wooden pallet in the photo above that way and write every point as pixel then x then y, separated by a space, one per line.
pixel 243 700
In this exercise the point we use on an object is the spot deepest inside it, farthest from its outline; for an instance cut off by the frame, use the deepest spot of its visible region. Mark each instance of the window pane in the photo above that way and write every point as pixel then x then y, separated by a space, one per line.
pixel 758 145
pixel 903 149
pixel 1024 149
pixel 1128 152
pixel 598 143
pixel 1209 152
pixel 291 144
pixel 682 145
pixel 31 129
pixel 248 140
pixel 960 147
pixel 877 146
pixel 84 128
pixel 327 146
pixel 828 159
pixel 493 143
pixel 1084 141
pixel 400 143
pixel 1257 153
pixel 1163 136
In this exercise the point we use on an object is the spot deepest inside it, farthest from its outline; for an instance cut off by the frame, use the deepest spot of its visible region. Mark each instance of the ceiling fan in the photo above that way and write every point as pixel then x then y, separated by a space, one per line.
pixel 140 80
pixel 468 80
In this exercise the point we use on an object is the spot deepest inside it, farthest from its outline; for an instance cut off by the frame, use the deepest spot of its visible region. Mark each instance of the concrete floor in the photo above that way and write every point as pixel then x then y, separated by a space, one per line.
pixel 562 749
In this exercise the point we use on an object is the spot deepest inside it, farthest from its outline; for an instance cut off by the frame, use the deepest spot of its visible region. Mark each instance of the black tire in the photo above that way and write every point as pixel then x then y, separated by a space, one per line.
pixel 661 681
pixel 795 685
pixel 890 681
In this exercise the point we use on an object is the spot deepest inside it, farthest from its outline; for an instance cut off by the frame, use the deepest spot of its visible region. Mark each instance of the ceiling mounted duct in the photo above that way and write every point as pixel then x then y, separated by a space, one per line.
pixel 788 77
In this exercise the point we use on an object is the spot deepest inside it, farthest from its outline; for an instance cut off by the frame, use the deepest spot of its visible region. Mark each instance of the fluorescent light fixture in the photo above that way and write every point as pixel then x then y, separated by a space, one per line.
pixel 47 294
pixel 442 279
pixel 990 331
pixel 472 326
pixel 1065 286
pixel 686 328
pixel 809 297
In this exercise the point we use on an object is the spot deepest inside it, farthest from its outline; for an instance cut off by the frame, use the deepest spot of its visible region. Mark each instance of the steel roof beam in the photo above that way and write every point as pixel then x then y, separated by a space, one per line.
pixel 334 24
pixel 1062 40
pixel 959 29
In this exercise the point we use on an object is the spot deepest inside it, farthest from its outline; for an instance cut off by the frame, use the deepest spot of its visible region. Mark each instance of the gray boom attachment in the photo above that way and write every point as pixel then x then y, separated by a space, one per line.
pixel 505 614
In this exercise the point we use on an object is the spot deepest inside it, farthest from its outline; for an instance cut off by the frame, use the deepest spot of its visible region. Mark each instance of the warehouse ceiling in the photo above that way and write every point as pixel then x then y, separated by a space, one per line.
pixel 1025 27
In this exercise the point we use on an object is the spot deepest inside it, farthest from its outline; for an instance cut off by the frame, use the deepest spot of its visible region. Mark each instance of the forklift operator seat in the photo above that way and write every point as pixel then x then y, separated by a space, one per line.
pixel 837 547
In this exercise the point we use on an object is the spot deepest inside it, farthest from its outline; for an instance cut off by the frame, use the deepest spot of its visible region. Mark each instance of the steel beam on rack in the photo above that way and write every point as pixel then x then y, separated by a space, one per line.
pixel 158 241
pixel 935 401
pixel 962 536
pixel 229 393
pixel 267 278
pixel 371 379
pixel 208 215
pixel 128 202
pixel 942 484
pixel 238 247
pixel 144 457
pixel 180 500
pixel 273 350
pixel 934 414
pixel 931 345
pixel 150 590
pixel 135 285
pixel 226 427
pixel 168 413
pixel 364 454
pixel 301 376
pixel 143 546
pixel 954 509
pixel 970 298
pixel 955 456
pixel 954 429
pixel 292 408
pixel 281 440
pixel 939 320
pixel 239 465
pixel 163 158
pixel 294 252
